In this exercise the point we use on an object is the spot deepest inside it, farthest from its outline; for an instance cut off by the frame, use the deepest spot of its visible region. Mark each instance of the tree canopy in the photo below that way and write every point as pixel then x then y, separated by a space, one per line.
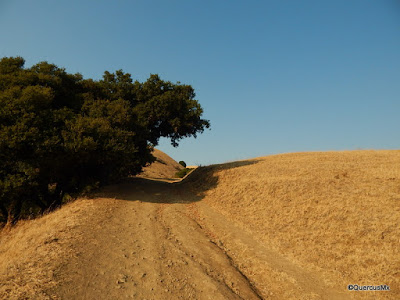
pixel 61 134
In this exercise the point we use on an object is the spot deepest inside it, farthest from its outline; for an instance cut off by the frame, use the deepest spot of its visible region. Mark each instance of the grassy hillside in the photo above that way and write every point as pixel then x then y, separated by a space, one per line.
pixel 335 212
pixel 330 218
pixel 164 167
pixel 32 251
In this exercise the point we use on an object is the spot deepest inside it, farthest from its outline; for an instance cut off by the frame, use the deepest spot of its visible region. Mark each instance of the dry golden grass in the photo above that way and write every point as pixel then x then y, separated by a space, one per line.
pixel 337 213
pixel 33 250
pixel 334 214
pixel 164 167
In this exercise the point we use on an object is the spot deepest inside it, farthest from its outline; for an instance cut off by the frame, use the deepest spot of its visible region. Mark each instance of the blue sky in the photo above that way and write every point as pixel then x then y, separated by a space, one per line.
pixel 272 76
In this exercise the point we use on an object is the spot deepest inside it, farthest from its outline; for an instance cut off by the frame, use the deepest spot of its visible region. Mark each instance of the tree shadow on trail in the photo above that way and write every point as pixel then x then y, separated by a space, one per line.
pixel 191 189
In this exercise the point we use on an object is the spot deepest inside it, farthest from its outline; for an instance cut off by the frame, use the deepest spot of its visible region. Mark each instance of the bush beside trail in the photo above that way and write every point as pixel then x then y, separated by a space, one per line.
pixel 182 173
pixel 61 135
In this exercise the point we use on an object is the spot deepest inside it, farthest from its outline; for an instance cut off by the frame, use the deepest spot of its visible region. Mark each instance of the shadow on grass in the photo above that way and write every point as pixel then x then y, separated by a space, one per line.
pixel 191 189
pixel 165 190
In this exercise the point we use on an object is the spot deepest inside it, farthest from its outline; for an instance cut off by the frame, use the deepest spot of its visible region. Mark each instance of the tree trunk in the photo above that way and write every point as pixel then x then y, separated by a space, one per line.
pixel 43 205
pixel 14 212
pixel 57 198
pixel 4 211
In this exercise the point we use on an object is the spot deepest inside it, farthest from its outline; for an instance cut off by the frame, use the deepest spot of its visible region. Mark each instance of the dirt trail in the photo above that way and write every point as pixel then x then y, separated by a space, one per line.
pixel 154 240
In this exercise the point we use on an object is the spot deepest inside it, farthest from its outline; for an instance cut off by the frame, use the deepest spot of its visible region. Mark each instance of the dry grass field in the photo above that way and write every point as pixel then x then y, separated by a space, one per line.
pixel 164 167
pixel 33 251
pixel 335 213
pixel 290 226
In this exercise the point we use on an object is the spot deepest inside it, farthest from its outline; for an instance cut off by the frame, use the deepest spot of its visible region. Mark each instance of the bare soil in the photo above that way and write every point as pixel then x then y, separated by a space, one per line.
pixel 226 232
pixel 154 241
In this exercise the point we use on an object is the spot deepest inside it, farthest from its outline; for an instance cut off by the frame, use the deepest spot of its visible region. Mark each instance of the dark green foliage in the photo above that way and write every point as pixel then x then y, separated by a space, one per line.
pixel 61 135
pixel 182 163
pixel 182 173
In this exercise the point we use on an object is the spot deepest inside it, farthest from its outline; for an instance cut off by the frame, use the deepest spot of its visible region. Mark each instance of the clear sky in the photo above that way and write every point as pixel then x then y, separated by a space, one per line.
pixel 272 76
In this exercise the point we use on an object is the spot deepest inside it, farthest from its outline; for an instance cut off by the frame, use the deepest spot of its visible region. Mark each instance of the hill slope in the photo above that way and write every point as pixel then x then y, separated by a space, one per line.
pixel 164 167
pixel 337 213
pixel 292 226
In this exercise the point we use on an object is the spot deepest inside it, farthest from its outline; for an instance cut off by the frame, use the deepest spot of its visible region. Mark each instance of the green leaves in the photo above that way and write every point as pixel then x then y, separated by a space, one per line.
pixel 169 110
pixel 60 133
pixel 10 65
